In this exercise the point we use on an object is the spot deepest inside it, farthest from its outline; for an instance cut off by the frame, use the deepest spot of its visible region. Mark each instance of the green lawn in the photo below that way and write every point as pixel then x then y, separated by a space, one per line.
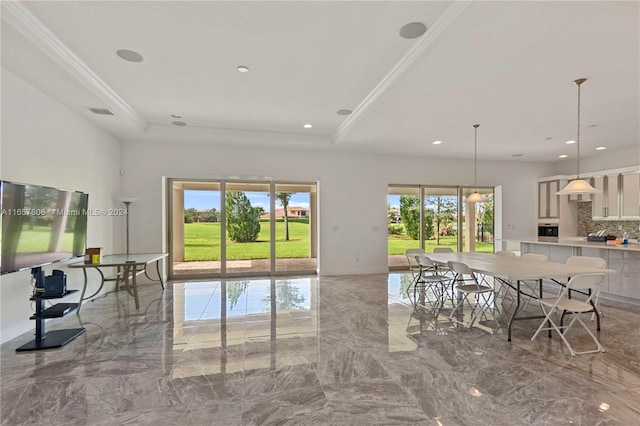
pixel 202 242
pixel 398 244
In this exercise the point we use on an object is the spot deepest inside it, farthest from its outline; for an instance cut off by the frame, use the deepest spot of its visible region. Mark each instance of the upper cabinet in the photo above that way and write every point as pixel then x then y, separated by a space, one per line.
pixel 612 188
pixel 598 209
pixel 548 200
pixel 630 196
pixel 619 199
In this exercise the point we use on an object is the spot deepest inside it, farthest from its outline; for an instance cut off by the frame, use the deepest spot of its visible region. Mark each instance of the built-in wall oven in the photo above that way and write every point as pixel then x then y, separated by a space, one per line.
pixel 547 230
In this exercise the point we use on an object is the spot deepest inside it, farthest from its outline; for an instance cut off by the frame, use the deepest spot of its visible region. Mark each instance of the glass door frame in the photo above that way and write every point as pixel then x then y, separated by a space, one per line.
pixel 461 195
pixel 222 182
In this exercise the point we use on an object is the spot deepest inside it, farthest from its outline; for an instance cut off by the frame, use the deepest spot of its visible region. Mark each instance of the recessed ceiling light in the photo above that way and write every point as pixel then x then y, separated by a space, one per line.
pixel 570 142
pixel 307 126
pixel 437 142
pixel 344 112
pixel 413 30
pixel 601 148
pixel 129 55
pixel 517 155
pixel 562 156
pixel 179 123
pixel 243 68
pixel 176 116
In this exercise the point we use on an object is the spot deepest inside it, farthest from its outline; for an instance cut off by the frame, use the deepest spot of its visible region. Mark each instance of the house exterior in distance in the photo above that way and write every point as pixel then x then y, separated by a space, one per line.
pixel 292 212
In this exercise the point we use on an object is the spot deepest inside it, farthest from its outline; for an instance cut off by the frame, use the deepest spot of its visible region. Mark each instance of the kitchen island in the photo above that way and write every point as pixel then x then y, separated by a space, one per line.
pixel 624 258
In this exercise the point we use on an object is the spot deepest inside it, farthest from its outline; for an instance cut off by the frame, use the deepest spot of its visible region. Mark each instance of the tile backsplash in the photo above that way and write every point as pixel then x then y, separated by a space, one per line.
pixel 587 225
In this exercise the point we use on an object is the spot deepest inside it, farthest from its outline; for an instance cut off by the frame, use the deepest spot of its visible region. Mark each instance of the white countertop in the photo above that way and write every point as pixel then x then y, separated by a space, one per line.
pixel 581 242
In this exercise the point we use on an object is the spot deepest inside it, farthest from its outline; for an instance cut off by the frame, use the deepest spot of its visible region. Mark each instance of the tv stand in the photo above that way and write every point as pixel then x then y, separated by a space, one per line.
pixel 54 338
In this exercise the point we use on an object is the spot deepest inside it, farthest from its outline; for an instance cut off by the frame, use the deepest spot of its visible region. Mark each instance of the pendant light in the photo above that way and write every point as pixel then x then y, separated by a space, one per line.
pixel 578 186
pixel 475 197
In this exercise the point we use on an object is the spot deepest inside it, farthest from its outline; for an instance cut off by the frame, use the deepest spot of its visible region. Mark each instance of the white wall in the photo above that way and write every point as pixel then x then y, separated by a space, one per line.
pixel 352 191
pixel 44 143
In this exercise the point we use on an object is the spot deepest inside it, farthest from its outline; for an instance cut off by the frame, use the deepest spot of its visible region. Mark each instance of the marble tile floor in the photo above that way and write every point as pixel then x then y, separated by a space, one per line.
pixel 346 350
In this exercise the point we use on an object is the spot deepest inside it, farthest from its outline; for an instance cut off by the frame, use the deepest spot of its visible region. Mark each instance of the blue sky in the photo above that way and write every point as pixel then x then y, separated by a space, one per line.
pixel 205 200
pixel 393 201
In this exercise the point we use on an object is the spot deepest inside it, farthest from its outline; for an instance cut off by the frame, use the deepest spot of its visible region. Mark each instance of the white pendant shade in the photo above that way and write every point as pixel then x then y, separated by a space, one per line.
pixel 578 186
pixel 475 198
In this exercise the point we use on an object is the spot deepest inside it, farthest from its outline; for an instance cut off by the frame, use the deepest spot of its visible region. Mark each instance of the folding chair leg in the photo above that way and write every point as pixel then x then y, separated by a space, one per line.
pixel 547 319
pixel 593 337
pixel 456 307
pixel 562 331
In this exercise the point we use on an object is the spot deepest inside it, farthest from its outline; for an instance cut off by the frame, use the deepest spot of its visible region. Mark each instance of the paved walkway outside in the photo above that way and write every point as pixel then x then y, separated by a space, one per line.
pixel 250 265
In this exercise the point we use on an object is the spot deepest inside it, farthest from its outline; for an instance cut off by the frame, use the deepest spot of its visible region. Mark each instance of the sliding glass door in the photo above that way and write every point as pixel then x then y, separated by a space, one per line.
pixel 441 217
pixel 295 227
pixel 248 236
pixel 477 221
pixel 430 217
pixel 196 228
pixel 230 227
pixel 403 217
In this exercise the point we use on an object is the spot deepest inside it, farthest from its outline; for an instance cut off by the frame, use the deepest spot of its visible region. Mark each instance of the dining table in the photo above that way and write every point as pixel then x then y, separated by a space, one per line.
pixel 514 271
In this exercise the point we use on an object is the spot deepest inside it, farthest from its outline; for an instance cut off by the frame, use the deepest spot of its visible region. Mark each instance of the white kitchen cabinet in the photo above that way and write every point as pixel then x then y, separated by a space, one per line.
pixel 606 204
pixel 630 196
pixel 613 197
pixel 598 211
pixel 548 200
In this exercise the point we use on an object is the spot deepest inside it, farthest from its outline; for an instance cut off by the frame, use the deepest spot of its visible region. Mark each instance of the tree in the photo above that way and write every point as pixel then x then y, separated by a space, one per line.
pixel 410 215
pixel 190 215
pixel 211 215
pixel 485 215
pixel 429 218
pixel 444 209
pixel 283 198
pixel 243 220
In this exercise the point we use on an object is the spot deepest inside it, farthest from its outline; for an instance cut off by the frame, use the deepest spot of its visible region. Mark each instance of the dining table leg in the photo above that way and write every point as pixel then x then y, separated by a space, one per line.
pixel 515 311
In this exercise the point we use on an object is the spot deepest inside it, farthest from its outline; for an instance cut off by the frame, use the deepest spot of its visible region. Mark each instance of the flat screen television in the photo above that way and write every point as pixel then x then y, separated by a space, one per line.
pixel 41 225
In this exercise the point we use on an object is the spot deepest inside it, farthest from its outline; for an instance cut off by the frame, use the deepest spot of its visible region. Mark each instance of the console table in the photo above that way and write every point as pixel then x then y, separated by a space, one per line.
pixel 128 267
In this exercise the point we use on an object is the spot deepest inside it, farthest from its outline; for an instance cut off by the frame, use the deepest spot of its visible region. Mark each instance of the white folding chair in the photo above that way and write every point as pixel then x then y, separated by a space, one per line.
pixel 533 286
pixel 414 268
pixel 429 283
pixel 563 303
pixel 499 285
pixel 443 250
pixel 506 253
pixel 443 269
pixel 466 283
pixel 597 262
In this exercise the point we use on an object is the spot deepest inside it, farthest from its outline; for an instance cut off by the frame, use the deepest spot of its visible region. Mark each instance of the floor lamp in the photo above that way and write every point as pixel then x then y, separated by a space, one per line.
pixel 127 202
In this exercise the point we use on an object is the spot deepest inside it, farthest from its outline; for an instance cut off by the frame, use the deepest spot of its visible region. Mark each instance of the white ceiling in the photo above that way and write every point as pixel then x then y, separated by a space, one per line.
pixel 508 66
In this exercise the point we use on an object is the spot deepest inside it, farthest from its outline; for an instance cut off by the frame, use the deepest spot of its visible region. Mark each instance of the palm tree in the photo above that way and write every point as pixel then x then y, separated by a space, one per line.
pixel 284 198
pixel 444 208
